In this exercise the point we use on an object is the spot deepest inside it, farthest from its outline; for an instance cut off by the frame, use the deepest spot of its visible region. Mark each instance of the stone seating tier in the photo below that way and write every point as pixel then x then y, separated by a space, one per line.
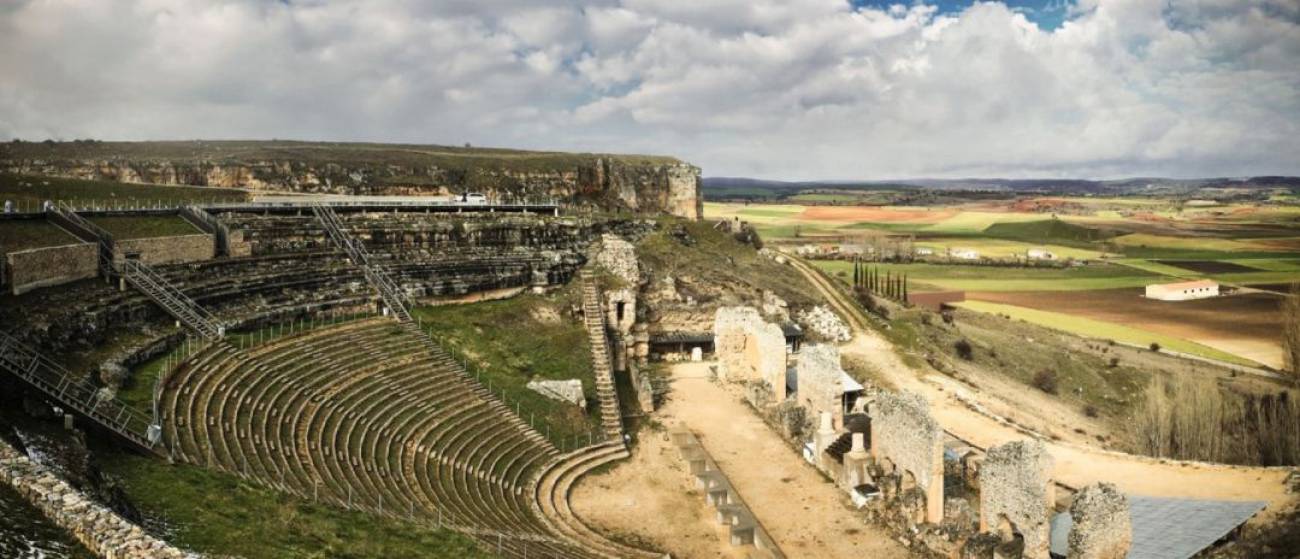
pixel 364 415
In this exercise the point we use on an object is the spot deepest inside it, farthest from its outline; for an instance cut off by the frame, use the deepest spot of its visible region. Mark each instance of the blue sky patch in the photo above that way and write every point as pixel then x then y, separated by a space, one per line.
pixel 1048 14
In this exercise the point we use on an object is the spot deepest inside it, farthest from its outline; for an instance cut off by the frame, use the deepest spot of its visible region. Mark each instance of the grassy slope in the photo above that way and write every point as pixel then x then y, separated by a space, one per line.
pixel 140 227
pixel 30 191
pixel 1004 347
pixel 219 514
pixel 27 234
pixel 718 259
pixel 1103 330
pixel 516 339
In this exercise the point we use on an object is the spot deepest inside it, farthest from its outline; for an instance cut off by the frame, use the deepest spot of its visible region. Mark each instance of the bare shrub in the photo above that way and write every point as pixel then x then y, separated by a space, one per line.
pixel 964 349
pixel 1045 380
pixel 1291 333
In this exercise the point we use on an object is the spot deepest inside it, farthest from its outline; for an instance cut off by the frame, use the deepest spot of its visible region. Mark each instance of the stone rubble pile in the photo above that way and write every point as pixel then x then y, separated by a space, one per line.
pixel 101 530
pixel 825 323
pixel 563 390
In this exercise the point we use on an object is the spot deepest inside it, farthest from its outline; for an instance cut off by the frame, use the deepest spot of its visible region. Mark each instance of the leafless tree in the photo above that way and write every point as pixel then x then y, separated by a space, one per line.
pixel 1291 332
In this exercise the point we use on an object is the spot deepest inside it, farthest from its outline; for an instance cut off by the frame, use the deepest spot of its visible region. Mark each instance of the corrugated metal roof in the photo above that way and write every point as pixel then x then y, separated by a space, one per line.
pixel 1166 528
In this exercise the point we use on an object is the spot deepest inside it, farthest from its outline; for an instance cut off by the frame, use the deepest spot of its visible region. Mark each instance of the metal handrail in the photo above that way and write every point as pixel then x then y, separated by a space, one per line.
pixel 62 386
pixel 172 299
pixel 393 297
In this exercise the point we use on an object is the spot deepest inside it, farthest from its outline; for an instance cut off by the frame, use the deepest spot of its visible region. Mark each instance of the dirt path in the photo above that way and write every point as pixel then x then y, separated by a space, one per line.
pixel 804 513
pixel 1076 465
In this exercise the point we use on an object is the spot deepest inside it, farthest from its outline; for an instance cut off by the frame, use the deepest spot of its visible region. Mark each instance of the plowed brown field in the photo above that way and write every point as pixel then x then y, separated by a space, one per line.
pixel 1245 324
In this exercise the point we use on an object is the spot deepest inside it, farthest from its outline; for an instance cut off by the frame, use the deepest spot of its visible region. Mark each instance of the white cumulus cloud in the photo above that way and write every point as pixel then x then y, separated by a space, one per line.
pixel 780 89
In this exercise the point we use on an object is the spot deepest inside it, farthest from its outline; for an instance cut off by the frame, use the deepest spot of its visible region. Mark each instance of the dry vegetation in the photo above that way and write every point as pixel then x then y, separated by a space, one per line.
pixel 1196 419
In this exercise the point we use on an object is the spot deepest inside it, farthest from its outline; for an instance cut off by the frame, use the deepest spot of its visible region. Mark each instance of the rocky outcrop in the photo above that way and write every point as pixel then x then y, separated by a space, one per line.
pixel 643 184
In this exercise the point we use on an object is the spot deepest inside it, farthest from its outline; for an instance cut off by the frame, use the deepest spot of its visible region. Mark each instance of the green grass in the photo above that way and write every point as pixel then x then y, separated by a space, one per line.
pixel 1269 264
pixel 717 258
pixel 1156 267
pixel 220 514
pixel 30 191
pixel 141 227
pixel 1052 231
pixel 26 234
pixel 1002 278
pixel 514 340
pixel 1103 330
pixel 975 222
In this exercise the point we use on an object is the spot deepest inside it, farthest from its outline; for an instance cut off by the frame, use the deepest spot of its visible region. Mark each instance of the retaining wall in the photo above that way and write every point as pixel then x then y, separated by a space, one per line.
pixel 167 250
pixel 101 530
pixel 26 270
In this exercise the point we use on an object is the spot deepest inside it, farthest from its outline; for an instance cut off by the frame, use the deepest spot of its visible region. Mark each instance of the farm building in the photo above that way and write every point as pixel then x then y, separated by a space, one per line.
pixel 924 251
pixel 965 254
pixel 1040 254
pixel 1183 291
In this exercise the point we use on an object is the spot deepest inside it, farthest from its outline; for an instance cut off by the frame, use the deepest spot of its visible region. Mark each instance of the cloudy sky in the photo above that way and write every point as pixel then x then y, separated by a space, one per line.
pixel 783 89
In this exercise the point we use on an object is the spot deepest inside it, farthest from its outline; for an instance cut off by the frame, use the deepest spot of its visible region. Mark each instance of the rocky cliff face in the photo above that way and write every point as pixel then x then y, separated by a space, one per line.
pixel 643 184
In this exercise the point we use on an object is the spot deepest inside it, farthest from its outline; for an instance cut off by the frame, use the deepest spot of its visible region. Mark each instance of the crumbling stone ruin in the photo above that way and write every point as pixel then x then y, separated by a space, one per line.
pixel 907 442
pixel 1016 495
pixel 563 390
pixel 749 348
pixel 821 386
pixel 1101 526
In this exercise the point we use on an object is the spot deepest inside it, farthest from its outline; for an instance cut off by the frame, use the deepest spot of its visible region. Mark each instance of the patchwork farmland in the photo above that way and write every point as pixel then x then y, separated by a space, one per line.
pixel 1076 264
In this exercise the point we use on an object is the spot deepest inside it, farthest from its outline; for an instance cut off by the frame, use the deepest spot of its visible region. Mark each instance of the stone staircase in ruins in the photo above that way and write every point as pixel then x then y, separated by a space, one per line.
pixel 555 482
pixel 611 417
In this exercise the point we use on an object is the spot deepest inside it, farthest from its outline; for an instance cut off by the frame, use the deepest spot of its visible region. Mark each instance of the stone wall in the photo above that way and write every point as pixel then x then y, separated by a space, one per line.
pixel 1101 526
pixel 904 434
pixel 42 267
pixel 98 528
pixel 820 382
pixel 1016 493
pixel 167 250
pixel 749 348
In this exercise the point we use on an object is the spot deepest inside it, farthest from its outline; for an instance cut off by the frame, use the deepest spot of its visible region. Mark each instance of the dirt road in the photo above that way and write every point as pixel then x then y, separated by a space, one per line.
pixel 652 496
pixel 1076 465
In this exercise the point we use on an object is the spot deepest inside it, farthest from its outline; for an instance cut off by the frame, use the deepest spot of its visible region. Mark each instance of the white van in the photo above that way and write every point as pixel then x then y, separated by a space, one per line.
pixel 473 198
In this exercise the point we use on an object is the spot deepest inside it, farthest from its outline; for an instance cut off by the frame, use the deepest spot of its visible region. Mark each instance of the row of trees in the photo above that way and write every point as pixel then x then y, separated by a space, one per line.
pixel 891 285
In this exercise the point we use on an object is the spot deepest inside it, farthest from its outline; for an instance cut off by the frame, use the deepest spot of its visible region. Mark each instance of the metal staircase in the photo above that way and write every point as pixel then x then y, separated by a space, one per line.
pixel 173 300
pixel 396 301
pixel 76 395
pixel 611 416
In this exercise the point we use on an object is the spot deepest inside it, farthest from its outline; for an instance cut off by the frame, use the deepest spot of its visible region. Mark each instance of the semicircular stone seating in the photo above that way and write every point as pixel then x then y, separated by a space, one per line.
pixel 369 415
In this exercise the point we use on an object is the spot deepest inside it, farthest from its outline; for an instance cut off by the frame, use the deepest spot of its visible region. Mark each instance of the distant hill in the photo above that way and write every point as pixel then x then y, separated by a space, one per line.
pixel 735 187
pixel 1052 231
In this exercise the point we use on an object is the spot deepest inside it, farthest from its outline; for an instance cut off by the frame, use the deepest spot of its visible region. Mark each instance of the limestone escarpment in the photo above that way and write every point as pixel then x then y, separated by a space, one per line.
pixel 637 183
